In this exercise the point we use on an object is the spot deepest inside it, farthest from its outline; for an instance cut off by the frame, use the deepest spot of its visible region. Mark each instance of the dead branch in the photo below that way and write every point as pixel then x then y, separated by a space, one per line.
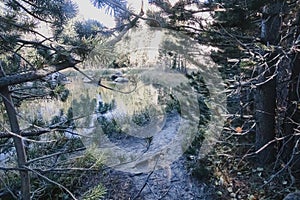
pixel 146 181
pixel 51 181
pixel 285 166
pixel 269 143
pixel 54 154
pixel 8 189
pixel 35 74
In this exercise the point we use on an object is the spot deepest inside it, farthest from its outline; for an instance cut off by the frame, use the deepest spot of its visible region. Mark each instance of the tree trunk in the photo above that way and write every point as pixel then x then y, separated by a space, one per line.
pixel 271 22
pixel 18 142
pixel 265 116
pixel 265 99
pixel 292 117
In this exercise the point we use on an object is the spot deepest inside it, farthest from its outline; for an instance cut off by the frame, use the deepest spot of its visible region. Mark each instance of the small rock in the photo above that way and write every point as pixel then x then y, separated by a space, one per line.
pixel 233 195
pixel 260 169
pixel 116 75
pixel 191 157
pixel 121 80
pixel 284 182
pixel 221 181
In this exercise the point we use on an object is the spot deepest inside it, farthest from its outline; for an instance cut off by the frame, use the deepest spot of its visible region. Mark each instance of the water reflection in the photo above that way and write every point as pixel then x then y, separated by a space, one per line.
pixel 159 119
pixel 142 108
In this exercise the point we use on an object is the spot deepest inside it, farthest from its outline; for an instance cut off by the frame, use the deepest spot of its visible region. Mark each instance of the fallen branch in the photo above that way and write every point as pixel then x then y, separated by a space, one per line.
pixel 285 166
pixel 146 181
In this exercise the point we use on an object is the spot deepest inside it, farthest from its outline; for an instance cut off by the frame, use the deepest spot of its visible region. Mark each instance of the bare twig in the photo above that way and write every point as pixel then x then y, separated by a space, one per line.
pixel 11 169
pixel 285 166
pixel 146 181
pixel 51 181
pixel 11 134
pixel 165 194
pixel 8 189
pixel 55 154
pixel 266 81
pixel 267 144
pixel 104 86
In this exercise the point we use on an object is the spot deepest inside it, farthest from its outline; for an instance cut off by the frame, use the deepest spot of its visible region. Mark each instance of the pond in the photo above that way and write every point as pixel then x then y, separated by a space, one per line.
pixel 156 123
pixel 157 117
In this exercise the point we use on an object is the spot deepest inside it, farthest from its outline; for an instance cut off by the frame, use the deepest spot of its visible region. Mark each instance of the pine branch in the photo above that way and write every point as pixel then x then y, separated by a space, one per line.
pixel 36 74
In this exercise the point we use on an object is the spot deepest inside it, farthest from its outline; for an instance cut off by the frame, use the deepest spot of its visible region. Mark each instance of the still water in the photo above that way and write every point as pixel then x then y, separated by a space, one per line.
pixel 158 118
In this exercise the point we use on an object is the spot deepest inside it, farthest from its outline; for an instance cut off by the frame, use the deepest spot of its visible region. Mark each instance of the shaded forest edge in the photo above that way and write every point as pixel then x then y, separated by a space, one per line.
pixel 257 156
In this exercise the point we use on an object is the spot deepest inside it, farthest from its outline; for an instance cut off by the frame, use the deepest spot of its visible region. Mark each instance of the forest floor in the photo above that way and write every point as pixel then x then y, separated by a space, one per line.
pixel 226 173
pixel 169 182
pixel 229 171
pixel 235 174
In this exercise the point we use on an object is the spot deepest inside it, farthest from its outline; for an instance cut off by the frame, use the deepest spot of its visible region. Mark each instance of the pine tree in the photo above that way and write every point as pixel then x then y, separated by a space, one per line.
pixel 33 46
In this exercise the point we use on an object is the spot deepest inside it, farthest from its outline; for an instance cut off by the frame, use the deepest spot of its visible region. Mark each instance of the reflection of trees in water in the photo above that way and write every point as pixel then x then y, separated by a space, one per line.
pixel 104 107
pixel 83 109
pixel 93 109
pixel 138 108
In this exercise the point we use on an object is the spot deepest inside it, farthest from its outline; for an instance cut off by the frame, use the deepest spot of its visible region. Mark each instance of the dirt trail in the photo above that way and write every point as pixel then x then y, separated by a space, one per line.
pixel 149 177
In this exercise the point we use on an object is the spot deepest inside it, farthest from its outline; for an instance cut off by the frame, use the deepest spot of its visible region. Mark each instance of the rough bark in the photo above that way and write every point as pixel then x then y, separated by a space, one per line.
pixel 283 81
pixel 292 118
pixel 271 22
pixel 265 99
pixel 265 116
pixel 18 142
pixel 35 74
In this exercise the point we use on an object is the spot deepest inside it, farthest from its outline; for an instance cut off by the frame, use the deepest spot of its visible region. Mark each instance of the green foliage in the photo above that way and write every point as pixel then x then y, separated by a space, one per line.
pixel 89 28
pixel 113 7
pixel 34 36
pixel 104 107
pixel 37 121
pixel 20 17
pixel 60 92
pixel 173 105
pixel 120 62
pixel 238 13
pixel 95 193
pixel 247 65
pixel 9 179
pixel 72 179
pixel 101 53
pixel 109 126
pixel 85 107
pixel 234 18
pixel 57 142
pixel 63 121
pixel 34 51
pixel 70 159
pixel 241 42
pixel 197 82
pixel 91 159
pixel 141 118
